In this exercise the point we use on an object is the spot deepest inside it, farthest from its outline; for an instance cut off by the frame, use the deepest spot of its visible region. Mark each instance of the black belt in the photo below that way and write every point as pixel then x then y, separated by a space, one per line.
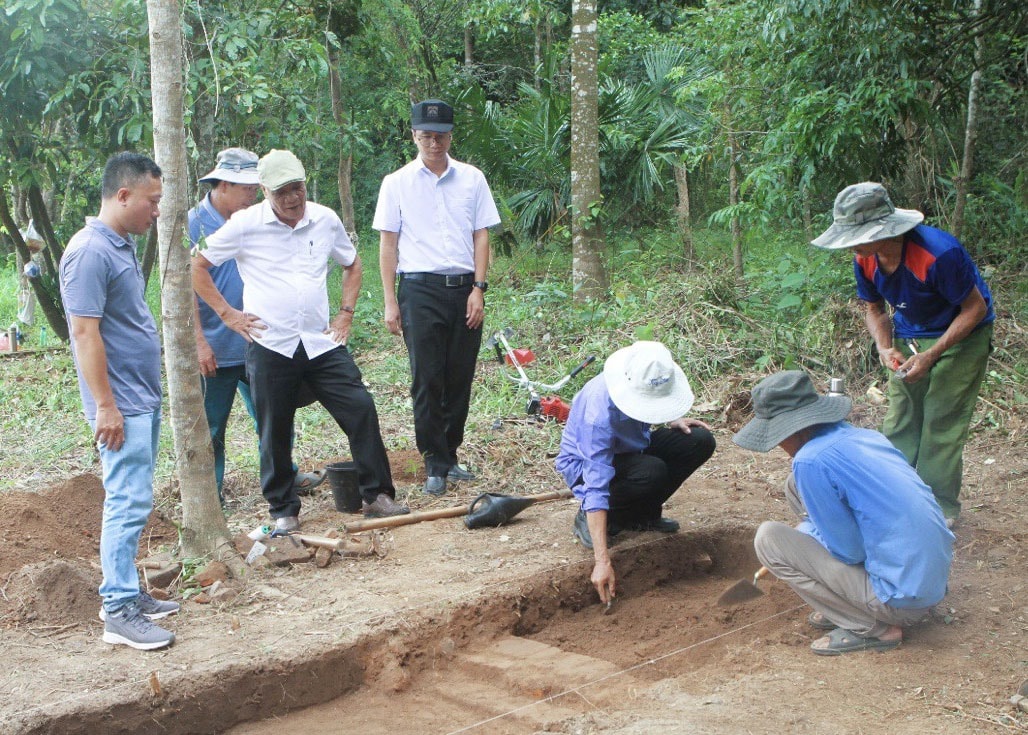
pixel 439 279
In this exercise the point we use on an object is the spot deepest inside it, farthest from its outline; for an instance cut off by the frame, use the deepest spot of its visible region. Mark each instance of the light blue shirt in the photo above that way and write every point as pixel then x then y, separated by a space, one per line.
pixel 596 430
pixel 101 279
pixel 868 506
pixel 228 346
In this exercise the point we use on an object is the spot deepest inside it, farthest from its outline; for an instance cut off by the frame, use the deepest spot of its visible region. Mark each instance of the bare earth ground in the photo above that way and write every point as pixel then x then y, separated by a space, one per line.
pixel 498 631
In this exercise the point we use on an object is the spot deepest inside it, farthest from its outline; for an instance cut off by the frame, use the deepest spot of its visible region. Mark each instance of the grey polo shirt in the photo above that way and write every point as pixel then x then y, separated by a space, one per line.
pixel 101 278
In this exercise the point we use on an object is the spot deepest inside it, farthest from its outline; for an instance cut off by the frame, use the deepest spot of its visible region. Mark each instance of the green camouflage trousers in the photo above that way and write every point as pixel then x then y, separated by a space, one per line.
pixel 928 420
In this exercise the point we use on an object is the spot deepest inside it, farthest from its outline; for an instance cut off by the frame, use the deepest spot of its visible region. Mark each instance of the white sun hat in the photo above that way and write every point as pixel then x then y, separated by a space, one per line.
pixel 645 383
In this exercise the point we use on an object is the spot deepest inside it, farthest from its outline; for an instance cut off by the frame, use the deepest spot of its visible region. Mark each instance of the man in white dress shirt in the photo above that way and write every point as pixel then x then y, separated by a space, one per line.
pixel 282 247
pixel 433 217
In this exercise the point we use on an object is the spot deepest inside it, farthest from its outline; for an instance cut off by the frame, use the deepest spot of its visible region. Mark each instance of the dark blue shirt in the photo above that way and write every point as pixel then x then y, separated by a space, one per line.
pixel 934 277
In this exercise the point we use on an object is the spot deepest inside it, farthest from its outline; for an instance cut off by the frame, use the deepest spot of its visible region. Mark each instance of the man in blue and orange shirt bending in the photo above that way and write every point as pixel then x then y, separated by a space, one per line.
pixel 938 338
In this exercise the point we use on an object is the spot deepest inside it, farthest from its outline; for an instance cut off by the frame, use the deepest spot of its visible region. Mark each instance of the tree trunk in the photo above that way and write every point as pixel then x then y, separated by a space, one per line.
pixel 469 45
pixel 970 132
pixel 684 216
pixel 204 531
pixel 733 200
pixel 537 53
pixel 587 240
pixel 344 172
pixel 51 306
pixel 150 253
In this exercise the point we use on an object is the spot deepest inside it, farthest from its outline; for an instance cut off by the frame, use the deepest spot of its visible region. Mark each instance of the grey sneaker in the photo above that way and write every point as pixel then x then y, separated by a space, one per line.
pixel 128 627
pixel 151 608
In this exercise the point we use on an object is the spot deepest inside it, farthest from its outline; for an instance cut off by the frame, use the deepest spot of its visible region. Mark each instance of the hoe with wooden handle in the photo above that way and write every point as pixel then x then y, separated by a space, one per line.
pixel 431 515
pixel 742 591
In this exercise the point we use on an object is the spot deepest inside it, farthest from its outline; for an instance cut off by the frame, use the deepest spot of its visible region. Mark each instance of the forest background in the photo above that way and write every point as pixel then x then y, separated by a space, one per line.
pixel 725 131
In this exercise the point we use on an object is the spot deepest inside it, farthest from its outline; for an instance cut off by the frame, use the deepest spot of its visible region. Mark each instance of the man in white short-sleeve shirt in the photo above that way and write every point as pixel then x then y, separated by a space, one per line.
pixel 433 217
pixel 282 247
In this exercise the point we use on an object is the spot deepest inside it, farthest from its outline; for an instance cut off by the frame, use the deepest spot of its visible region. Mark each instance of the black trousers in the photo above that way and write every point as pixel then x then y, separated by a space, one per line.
pixel 642 482
pixel 275 384
pixel 443 352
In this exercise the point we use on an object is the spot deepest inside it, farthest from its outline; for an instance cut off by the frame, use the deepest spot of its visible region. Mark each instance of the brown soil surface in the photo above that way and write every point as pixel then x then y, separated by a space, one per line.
pixel 498 630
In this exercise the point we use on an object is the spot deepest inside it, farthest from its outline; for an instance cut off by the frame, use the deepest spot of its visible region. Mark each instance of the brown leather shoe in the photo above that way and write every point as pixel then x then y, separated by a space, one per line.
pixel 383 507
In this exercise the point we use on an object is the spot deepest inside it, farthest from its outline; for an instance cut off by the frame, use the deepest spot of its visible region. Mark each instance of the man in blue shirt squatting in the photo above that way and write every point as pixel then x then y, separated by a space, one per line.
pixel 118 359
pixel 621 469
pixel 222 352
pixel 940 335
pixel 872 553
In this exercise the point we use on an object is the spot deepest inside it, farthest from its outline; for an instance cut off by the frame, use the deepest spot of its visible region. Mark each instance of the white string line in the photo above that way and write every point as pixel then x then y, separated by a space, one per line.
pixel 353 625
pixel 651 662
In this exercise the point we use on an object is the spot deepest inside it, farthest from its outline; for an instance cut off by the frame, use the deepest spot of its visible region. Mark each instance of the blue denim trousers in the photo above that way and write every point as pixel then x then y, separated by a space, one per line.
pixel 128 488
pixel 219 392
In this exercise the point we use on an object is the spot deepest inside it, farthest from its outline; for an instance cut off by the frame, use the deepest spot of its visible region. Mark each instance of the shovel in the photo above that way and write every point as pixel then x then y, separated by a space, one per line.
pixel 742 591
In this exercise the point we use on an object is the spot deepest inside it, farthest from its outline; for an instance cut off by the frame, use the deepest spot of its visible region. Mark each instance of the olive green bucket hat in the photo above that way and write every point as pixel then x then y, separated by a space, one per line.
pixel 785 403
pixel 864 213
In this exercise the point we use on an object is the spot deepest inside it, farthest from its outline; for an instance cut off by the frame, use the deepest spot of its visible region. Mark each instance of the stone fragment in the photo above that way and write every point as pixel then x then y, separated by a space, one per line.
pixel 323 557
pixel 282 552
pixel 160 571
pixel 216 571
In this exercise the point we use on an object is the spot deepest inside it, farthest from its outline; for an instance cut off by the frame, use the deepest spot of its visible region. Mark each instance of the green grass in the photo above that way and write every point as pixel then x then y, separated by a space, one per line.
pixel 795 308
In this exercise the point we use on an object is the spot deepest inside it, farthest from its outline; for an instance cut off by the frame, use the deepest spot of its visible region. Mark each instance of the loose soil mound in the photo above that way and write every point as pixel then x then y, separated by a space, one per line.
pixel 53 594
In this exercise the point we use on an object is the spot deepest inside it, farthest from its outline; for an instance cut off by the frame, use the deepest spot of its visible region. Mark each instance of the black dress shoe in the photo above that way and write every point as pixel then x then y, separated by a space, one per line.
pixel 661 525
pixel 384 507
pixel 580 530
pixel 457 473
pixel 435 486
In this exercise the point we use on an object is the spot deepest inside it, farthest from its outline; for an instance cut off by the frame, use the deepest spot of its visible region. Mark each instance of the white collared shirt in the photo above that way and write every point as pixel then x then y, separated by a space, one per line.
pixel 435 216
pixel 285 271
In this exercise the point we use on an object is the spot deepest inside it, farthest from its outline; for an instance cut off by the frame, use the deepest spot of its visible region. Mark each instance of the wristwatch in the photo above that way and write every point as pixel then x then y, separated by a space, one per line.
pixel 484 285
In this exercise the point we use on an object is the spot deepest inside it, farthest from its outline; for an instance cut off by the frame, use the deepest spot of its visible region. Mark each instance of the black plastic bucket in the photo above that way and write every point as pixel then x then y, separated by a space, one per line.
pixel 346 491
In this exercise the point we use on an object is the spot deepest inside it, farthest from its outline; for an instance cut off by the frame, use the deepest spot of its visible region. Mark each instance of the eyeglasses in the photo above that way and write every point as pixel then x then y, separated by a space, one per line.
pixel 432 138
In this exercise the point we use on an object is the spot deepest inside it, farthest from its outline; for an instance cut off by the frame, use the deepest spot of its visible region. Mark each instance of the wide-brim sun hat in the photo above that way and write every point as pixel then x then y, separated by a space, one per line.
pixel 864 213
pixel 236 166
pixel 278 168
pixel 785 403
pixel 645 383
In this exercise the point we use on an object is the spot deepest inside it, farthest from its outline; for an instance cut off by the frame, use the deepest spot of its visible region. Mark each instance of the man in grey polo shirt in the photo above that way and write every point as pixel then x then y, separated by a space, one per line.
pixel 118 358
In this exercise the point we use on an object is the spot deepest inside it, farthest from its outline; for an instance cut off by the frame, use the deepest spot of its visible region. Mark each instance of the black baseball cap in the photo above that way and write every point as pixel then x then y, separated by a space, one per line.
pixel 434 116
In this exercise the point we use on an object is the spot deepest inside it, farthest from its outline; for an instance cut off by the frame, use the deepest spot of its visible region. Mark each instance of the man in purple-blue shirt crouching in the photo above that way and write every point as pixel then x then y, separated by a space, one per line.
pixel 621 469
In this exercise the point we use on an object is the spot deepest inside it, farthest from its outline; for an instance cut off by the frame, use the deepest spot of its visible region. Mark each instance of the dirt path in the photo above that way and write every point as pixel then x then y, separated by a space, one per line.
pixel 455 627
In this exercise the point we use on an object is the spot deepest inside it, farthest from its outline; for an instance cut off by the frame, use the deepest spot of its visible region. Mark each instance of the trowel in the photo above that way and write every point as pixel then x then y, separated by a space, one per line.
pixel 742 591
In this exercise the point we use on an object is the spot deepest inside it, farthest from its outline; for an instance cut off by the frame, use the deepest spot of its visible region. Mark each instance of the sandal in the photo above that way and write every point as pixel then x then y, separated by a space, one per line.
pixel 842 641
pixel 305 482
pixel 819 621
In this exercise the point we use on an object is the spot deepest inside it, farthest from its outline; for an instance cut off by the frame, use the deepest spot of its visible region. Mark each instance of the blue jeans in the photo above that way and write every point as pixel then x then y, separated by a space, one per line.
pixel 219 392
pixel 128 485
